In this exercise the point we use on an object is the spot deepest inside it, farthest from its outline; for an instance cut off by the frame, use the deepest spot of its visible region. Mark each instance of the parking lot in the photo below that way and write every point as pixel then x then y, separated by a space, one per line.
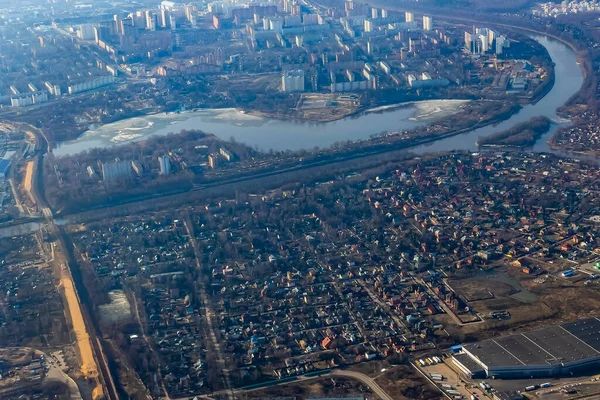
pixel 452 378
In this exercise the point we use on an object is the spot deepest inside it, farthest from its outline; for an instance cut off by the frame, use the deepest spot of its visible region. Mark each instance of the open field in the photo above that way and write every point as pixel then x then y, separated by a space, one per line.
pixel 558 302
pixel 477 289
pixel 326 107
pixel 401 382
pixel 321 387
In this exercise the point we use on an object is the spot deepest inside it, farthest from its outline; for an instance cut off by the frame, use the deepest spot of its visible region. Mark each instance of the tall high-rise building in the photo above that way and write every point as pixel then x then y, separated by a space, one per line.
pixel 409 17
pixel 348 5
pixel 126 27
pixel 501 43
pixel 117 22
pixel 384 13
pixel 86 32
pixel 150 20
pixel 427 22
pixel 484 44
pixel 374 13
pixel 469 41
pixel 164 18
pixel 481 41
pixel 368 25
pixel 138 19
pixel 100 33
pixel 293 81
pixel 148 17
pixel 190 12
pixel 276 25
pixel 491 36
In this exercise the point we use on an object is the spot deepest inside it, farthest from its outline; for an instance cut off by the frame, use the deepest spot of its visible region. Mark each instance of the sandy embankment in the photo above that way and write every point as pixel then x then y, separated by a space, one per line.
pixel 88 365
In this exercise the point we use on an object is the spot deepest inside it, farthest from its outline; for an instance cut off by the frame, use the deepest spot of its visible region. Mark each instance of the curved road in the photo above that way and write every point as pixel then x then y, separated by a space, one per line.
pixel 364 379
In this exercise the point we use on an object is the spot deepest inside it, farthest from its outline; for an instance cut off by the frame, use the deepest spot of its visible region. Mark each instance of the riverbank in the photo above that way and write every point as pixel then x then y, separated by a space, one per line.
pixel 570 149
pixel 423 111
pixel 275 176
pixel 228 122
pixel 546 89
pixel 323 117
pixel 521 135
pixel 263 133
pixel 247 169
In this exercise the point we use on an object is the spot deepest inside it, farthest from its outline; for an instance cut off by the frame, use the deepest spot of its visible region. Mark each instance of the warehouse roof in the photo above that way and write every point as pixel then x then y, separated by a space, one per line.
pixel 586 330
pixel 562 344
pixel 492 354
pixel 468 362
pixel 522 348
pixel 547 346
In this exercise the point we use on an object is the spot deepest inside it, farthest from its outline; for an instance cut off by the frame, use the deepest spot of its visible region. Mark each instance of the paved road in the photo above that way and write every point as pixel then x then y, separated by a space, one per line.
pixel 55 372
pixel 208 314
pixel 366 380
pixel 349 374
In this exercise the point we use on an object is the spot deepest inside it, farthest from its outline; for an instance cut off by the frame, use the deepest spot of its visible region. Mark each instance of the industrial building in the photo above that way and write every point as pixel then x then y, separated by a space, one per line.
pixel 552 351
pixel 116 170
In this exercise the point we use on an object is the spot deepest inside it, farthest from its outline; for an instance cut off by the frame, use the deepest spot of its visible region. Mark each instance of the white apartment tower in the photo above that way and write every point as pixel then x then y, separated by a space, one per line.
pixel 427 22
pixel 293 81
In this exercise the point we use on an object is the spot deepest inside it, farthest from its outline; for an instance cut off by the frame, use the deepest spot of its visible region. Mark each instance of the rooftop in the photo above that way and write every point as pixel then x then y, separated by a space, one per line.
pixel 561 344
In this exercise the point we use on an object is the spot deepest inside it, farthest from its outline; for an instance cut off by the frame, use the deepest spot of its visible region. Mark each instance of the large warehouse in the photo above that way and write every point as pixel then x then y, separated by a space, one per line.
pixel 544 352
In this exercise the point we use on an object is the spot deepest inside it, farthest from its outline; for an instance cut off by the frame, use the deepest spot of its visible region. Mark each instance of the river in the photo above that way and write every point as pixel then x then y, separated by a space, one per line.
pixel 265 134
pixel 262 133
pixel 569 78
